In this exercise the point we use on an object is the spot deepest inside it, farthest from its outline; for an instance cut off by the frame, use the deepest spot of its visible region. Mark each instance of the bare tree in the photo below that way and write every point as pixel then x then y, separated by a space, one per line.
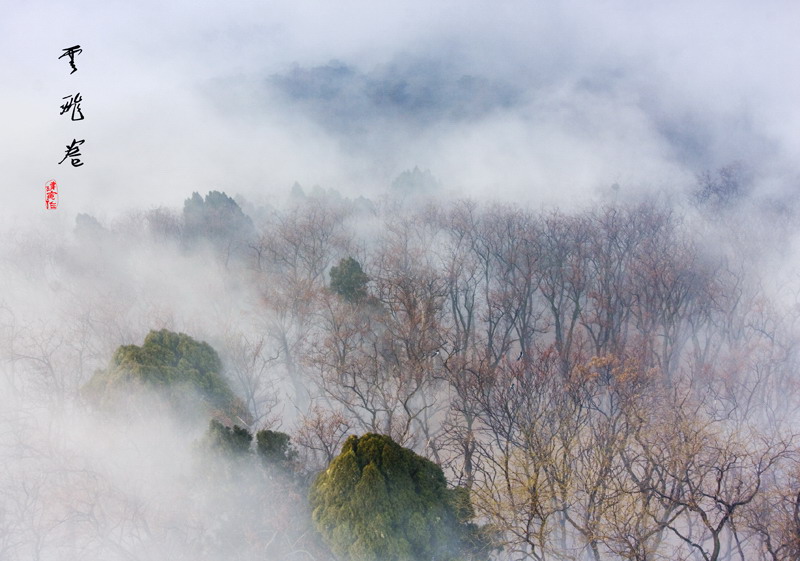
pixel 320 436
pixel 248 364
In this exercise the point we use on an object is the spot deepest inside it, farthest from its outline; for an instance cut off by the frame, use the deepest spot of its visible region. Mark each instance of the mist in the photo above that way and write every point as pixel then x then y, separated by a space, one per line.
pixel 534 103
pixel 474 160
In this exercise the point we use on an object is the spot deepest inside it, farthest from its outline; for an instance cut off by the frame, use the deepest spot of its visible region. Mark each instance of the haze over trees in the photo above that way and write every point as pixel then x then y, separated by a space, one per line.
pixel 362 281
pixel 456 380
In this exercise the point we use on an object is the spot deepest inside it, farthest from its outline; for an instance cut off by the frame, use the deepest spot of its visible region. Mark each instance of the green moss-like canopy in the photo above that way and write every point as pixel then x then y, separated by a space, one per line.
pixel 380 501
pixel 184 369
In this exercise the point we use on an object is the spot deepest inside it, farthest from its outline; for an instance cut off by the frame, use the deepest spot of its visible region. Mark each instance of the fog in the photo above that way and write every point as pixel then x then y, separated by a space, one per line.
pixel 543 103
pixel 390 134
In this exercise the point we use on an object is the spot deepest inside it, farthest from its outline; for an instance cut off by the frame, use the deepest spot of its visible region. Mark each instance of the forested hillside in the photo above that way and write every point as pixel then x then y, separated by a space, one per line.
pixel 614 381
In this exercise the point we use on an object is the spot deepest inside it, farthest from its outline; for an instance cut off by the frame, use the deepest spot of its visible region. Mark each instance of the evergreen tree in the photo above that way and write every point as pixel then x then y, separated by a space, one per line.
pixel 217 219
pixel 378 500
pixel 187 372
pixel 227 441
pixel 349 281
pixel 275 449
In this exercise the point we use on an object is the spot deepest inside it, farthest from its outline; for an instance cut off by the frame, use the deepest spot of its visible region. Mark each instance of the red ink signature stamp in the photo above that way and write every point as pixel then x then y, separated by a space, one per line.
pixel 51 194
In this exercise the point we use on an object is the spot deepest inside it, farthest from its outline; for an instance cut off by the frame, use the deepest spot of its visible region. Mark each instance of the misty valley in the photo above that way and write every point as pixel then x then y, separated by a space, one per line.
pixel 411 377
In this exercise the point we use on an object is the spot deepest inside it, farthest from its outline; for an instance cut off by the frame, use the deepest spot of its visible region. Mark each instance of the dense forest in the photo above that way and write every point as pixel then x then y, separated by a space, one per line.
pixel 406 378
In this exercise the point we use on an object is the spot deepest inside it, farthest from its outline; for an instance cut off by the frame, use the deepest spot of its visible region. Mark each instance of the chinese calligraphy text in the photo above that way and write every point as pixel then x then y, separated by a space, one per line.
pixel 73 152
pixel 51 195
pixel 71 52
pixel 73 103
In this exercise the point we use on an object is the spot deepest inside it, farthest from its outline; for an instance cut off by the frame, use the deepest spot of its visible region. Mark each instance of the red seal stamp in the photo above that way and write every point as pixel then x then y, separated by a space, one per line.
pixel 51 194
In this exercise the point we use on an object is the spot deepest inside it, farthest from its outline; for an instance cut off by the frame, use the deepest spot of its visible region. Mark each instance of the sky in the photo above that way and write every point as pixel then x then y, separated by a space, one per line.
pixel 542 102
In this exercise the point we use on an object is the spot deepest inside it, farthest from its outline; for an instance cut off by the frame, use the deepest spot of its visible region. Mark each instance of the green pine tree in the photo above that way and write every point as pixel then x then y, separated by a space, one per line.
pixel 188 373
pixel 378 500
pixel 349 281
